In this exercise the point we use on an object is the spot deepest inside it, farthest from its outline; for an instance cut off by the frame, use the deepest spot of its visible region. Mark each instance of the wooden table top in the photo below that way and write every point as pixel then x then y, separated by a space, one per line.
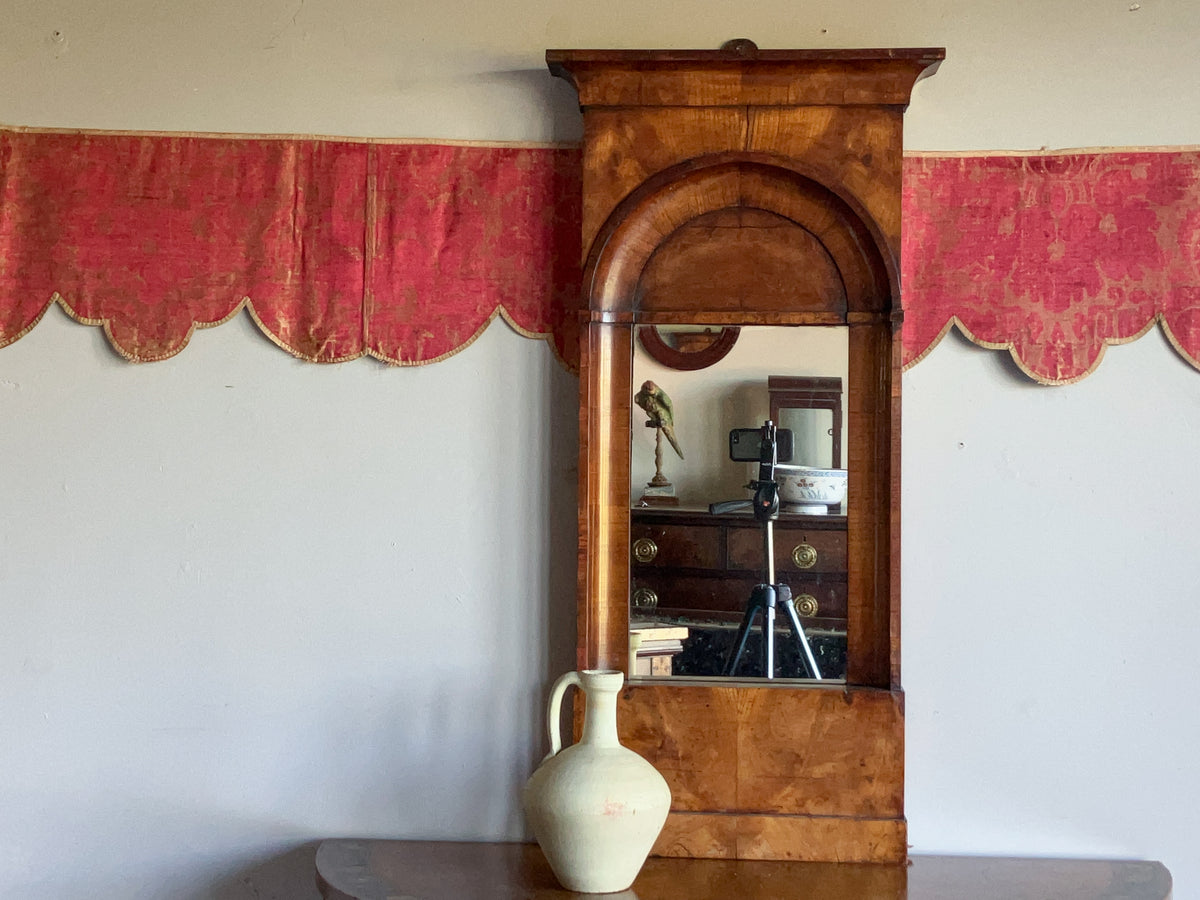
pixel 439 870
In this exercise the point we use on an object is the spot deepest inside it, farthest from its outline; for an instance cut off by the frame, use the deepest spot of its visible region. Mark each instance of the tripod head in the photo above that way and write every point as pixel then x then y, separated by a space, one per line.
pixel 766 492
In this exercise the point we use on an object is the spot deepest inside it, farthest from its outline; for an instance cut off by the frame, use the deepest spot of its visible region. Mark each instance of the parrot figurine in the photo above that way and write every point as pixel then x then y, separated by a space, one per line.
pixel 657 404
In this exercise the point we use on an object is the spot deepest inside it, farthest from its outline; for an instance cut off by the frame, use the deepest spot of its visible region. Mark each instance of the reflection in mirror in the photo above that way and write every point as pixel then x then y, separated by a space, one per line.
pixel 812 408
pixel 693 572
pixel 812 432
pixel 687 347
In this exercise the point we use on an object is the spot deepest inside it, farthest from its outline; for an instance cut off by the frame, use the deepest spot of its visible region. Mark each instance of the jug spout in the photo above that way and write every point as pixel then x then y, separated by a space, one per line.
pixel 600 687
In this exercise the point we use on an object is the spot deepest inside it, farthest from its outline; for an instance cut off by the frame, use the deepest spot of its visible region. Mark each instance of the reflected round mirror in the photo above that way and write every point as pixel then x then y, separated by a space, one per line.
pixel 687 347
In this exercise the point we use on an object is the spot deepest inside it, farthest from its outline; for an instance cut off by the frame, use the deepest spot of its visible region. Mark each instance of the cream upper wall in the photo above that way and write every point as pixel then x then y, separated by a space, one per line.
pixel 185 712
pixel 1018 74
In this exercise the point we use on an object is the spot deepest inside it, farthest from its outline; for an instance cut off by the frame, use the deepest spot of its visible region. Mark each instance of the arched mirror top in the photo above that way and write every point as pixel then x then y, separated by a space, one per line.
pixel 758 220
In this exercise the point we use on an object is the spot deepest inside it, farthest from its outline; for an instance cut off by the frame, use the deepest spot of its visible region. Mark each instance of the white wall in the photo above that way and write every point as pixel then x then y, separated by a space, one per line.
pixel 250 601
pixel 245 606
pixel 1050 616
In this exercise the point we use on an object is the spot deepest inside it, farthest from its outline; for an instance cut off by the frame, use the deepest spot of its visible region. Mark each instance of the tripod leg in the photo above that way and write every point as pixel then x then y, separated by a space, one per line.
pixel 798 631
pixel 769 636
pixel 743 632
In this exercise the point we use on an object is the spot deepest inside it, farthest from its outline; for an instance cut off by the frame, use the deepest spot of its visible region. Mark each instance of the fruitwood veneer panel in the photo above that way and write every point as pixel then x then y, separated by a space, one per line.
pixel 618 154
pixel 801 838
pixel 604 496
pixel 757 254
pixel 766 765
pixel 852 147
pixel 872 533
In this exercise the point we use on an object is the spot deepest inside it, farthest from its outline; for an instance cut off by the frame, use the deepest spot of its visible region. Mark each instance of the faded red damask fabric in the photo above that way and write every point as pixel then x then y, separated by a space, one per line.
pixel 153 235
pixel 405 251
pixel 460 234
pixel 1052 256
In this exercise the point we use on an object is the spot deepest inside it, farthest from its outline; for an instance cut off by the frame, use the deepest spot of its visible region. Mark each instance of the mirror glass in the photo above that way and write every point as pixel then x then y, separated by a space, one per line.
pixel 812 435
pixel 695 572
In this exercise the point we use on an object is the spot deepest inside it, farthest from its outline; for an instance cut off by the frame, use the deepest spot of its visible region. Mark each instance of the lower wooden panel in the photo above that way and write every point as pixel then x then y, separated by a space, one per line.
pixel 771 771
pixel 802 838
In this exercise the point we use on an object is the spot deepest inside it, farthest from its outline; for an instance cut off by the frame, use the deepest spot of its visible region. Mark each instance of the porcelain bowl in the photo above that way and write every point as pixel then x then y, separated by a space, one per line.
pixel 809 490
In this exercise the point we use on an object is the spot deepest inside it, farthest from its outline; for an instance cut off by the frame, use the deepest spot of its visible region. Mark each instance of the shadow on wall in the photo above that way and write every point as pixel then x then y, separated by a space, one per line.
pixel 554 98
pixel 288 876
pixel 561 639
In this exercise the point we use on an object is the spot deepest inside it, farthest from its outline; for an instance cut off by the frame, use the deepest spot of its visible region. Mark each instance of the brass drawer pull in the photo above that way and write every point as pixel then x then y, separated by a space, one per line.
pixel 644 550
pixel 644 598
pixel 804 556
pixel 806 605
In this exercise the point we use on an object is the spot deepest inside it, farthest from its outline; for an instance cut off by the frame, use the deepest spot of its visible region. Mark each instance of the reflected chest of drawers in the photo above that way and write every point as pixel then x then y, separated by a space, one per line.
pixel 691 564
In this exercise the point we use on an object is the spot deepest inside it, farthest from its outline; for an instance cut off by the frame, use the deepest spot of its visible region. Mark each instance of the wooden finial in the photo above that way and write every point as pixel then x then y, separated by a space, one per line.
pixel 743 47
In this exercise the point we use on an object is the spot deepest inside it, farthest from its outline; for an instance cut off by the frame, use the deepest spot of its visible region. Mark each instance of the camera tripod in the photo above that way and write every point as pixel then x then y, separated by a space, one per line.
pixel 766 598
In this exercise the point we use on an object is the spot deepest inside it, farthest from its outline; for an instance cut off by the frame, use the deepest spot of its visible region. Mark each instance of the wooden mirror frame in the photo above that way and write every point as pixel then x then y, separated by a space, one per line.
pixel 813 139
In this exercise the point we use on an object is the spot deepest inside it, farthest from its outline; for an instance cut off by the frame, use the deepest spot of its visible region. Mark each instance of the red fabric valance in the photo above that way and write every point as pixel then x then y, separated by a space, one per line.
pixel 406 250
pixel 339 248
pixel 1052 256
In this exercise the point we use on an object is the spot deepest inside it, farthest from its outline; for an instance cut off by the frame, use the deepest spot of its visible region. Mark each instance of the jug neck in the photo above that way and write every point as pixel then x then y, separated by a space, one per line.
pixel 600 689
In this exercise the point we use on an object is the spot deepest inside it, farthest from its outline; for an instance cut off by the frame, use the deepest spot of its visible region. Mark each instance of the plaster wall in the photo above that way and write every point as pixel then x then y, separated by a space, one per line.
pixel 249 602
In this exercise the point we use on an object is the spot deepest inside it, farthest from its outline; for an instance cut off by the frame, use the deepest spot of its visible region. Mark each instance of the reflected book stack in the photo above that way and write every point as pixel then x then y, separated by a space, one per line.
pixel 653 647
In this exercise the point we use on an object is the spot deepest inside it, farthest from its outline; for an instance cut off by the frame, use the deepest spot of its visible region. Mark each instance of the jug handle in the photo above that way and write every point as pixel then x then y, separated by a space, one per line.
pixel 554 709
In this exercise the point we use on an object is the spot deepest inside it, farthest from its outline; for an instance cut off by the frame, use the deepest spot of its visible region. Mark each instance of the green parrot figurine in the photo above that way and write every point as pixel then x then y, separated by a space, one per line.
pixel 657 404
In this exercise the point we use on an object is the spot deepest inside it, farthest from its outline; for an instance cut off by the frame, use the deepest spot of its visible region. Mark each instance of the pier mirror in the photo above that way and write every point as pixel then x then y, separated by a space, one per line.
pixel 758 190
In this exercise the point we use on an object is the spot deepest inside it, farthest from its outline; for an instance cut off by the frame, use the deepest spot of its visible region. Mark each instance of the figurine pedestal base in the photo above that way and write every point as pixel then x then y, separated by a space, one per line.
pixel 651 500
pixel 658 495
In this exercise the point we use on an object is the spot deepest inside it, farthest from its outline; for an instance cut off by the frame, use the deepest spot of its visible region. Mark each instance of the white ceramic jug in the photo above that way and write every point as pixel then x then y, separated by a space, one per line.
pixel 596 807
